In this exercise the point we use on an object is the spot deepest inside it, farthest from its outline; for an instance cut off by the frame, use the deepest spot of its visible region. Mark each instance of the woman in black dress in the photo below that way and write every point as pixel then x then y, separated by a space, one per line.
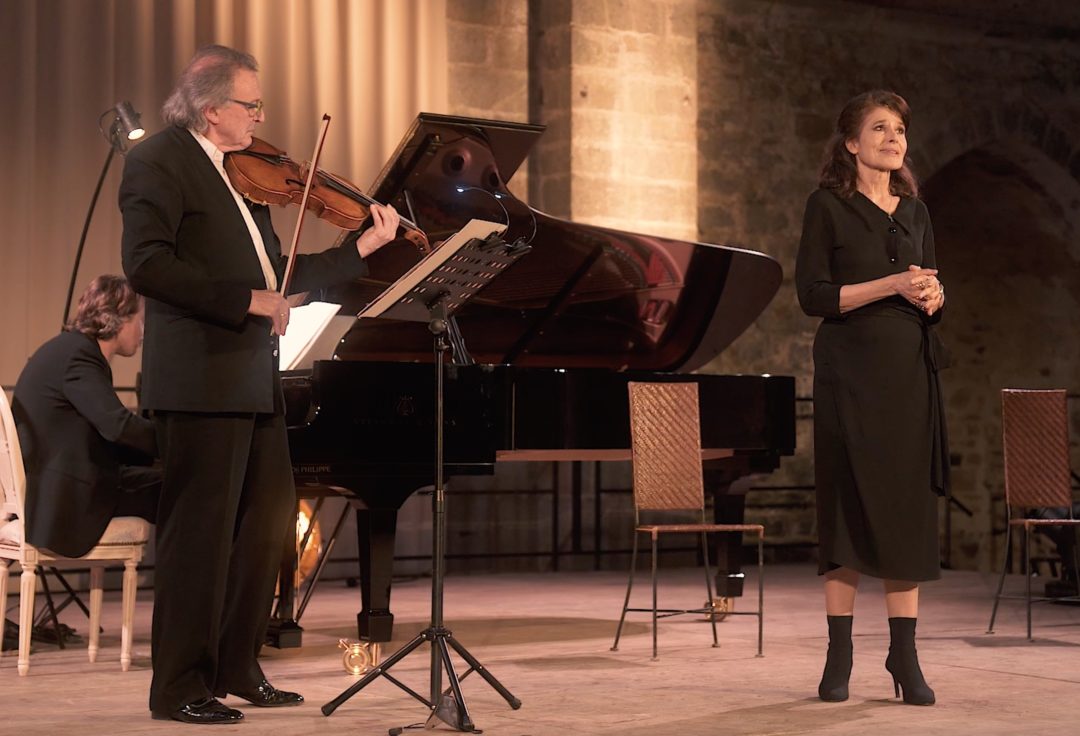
pixel 867 266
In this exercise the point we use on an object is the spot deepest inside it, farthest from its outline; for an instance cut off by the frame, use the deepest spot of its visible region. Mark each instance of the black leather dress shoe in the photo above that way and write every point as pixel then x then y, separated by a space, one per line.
pixel 207 710
pixel 266 695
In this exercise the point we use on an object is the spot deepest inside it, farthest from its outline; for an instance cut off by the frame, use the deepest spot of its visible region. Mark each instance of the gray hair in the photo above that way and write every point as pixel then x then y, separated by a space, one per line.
pixel 206 82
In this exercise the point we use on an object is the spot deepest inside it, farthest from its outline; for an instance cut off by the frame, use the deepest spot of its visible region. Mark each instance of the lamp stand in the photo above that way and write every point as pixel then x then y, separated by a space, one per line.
pixel 86 228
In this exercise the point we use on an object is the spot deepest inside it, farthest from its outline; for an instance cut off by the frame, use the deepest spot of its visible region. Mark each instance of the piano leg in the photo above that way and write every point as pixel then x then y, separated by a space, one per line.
pixel 283 631
pixel 375 531
pixel 729 488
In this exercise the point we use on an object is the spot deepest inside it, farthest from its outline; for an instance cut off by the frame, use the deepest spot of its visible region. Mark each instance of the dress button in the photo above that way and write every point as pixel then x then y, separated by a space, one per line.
pixel 275 352
pixel 892 230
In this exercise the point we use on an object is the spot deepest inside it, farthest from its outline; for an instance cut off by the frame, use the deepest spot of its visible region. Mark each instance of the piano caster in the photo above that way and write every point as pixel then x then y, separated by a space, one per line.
pixel 719 608
pixel 360 656
pixel 284 634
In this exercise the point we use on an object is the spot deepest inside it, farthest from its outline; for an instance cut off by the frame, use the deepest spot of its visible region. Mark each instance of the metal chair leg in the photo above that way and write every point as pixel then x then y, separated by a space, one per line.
pixel 1001 580
pixel 760 593
pixel 1076 572
pixel 654 540
pixel 1027 573
pixel 629 587
pixel 50 609
pixel 708 587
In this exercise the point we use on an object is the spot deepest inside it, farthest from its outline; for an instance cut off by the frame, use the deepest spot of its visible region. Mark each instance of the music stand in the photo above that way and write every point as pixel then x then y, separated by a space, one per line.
pixel 432 291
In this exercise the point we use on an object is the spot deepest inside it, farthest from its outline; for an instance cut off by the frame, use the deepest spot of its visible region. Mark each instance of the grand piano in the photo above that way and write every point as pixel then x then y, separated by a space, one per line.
pixel 542 355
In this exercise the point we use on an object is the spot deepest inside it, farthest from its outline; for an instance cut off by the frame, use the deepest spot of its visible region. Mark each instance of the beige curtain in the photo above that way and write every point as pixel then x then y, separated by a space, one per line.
pixel 370 64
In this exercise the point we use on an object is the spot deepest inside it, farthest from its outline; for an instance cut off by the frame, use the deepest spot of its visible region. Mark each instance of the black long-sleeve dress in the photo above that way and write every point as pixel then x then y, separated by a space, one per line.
pixel 880 447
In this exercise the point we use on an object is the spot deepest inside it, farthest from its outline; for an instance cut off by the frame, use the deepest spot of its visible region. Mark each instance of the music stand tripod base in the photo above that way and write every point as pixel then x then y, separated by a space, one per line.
pixel 453 278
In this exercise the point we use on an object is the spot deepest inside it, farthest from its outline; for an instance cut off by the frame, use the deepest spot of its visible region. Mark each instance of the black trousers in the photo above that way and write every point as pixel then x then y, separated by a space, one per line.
pixel 227 503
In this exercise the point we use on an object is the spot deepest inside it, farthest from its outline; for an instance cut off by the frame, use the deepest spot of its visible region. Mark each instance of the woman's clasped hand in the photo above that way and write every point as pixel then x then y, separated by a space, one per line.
pixel 920 287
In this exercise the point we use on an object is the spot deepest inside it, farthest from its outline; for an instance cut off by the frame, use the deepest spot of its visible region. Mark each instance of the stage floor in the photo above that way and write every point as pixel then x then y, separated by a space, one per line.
pixel 547 638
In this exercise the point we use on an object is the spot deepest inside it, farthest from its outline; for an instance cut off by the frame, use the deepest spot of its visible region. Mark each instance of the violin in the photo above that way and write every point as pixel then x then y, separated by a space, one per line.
pixel 265 174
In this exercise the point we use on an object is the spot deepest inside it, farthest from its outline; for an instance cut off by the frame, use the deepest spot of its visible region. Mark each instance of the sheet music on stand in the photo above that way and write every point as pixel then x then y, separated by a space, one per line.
pixel 315 330
pixel 452 273
pixel 431 292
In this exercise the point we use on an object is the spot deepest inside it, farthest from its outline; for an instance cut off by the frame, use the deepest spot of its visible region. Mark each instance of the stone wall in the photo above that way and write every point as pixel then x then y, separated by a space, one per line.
pixel 706 120
pixel 773 77
pixel 616 82
pixel 488 64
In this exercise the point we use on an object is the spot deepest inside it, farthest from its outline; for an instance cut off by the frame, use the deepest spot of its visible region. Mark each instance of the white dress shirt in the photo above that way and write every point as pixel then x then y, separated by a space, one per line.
pixel 218 159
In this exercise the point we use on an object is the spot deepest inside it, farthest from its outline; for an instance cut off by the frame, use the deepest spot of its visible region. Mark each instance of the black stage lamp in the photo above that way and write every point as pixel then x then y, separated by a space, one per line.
pixel 124 127
pixel 127 121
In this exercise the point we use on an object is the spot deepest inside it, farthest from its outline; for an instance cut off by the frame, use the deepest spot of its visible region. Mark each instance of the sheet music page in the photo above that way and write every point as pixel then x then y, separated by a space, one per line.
pixel 309 332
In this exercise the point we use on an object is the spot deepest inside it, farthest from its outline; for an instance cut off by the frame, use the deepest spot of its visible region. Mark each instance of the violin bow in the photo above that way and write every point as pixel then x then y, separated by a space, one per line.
pixel 314 167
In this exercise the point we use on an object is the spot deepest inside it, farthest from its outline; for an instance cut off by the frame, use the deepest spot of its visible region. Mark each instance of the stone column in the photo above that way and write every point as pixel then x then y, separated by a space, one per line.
pixel 487 65
pixel 615 81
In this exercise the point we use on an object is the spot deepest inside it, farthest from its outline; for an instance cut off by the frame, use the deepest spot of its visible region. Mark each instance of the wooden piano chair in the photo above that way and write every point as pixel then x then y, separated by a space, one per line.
pixel 665 429
pixel 1035 439
pixel 123 542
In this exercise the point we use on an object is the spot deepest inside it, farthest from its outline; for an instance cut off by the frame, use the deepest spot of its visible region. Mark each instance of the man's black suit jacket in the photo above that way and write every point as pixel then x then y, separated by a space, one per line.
pixel 187 249
pixel 75 435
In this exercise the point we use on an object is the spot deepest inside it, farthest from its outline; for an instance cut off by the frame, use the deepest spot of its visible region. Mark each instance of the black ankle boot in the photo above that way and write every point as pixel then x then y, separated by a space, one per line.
pixel 834 680
pixel 903 663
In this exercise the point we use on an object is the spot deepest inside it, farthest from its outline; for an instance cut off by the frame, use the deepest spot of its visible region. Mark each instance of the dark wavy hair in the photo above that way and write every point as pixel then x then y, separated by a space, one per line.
pixel 106 304
pixel 838 170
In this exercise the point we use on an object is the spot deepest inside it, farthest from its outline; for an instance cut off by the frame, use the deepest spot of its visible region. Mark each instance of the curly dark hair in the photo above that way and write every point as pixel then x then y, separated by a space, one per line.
pixel 106 304
pixel 838 170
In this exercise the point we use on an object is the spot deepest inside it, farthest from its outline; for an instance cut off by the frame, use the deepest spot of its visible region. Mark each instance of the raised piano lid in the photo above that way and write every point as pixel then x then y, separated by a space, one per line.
pixel 584 297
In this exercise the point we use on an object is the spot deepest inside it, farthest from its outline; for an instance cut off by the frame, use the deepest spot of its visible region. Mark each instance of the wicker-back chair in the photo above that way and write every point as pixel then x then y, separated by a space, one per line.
pixel 665 429
pixel 1035 438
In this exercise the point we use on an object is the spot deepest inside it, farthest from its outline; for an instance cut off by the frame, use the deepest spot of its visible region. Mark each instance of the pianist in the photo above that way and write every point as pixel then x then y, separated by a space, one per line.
pixel 209 265
pixel 87 456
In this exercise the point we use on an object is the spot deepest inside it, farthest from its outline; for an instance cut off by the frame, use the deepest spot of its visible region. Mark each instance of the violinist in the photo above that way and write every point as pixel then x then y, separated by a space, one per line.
pixel 209 264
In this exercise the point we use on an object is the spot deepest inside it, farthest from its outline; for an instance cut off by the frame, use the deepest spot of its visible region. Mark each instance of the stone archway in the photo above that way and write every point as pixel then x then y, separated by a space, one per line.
pixel 1007 223
pixel 1048 124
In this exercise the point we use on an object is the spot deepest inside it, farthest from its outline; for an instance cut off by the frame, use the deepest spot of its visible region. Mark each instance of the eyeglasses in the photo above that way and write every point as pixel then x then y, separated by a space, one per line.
pixel 254 108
